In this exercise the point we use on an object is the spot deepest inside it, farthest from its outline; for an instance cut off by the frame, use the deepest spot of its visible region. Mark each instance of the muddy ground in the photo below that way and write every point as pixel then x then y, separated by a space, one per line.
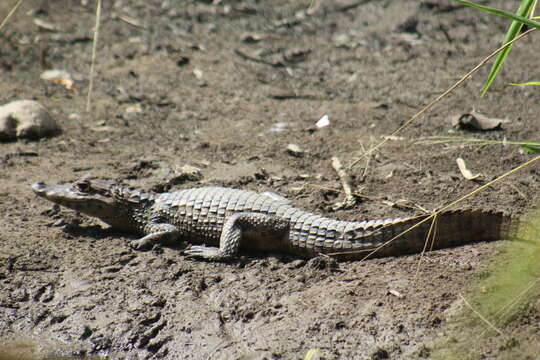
pixel 226 86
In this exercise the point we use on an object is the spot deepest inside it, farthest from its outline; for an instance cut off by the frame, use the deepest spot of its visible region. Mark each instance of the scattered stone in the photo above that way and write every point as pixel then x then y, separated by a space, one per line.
pixel 343 41
pixel 26 119
pixel 395 293
pixel 198 73
pixel 279 127
pixel 61 77
pixel 182 60
pixel 392 138
pixel 295 150
pixel 104 128
pixel 74 116
pixel 252 38
pixel 296 56
pixel 190 172
pixel 134 109
pixel 46 25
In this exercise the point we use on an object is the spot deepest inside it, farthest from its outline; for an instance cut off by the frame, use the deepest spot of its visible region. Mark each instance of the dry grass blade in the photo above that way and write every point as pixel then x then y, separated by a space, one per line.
pixel 481 317
pixel 94 50
pixel 432 233
pixel 131 21
pixel 504 310
pixel 313 354
pixel 530 146
pixel 434 140
pixel 10 14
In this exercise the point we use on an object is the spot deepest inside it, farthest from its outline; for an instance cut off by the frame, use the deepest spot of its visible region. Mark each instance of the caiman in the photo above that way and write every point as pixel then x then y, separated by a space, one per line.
pixel 227 221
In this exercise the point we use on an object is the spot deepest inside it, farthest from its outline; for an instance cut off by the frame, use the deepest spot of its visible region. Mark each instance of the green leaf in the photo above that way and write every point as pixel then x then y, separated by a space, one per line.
pixel 519 19
pixel 532 149
pixel 537 83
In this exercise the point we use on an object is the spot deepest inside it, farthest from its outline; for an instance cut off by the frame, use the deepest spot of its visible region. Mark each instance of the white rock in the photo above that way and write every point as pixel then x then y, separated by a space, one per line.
pixel 323 122
pixel 55 74
pixel 25 119
pixel 295 150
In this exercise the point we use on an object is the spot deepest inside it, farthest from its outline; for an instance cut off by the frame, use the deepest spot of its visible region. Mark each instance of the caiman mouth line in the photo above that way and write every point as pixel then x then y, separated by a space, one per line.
pixel 60 193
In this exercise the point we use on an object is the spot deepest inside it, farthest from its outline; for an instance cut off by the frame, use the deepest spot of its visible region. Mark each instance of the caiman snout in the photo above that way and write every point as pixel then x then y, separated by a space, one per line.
pixel 51 192
pixel 88 197
pixel 39 186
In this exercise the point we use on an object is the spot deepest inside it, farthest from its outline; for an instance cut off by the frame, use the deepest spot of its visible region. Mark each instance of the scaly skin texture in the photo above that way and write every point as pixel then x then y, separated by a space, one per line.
pixel 230 220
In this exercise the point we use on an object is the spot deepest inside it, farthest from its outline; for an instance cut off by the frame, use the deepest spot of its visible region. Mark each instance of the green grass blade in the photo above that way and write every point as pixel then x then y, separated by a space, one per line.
pixel 537 83
pixel 513 31
pixel 502 13
pixel 518 20
pixel 531 149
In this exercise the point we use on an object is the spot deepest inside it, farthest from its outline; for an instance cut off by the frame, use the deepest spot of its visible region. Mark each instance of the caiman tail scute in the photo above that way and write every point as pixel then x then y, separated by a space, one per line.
pixel 445 230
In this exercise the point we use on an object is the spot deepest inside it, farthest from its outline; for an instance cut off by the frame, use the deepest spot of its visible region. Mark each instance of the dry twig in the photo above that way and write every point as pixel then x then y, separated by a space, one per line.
pixel 94 50
pixel 350 199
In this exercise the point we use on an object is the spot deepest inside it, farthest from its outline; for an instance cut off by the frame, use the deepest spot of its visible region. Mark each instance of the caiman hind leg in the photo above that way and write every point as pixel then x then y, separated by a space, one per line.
pixel 157 234
pixel 240 227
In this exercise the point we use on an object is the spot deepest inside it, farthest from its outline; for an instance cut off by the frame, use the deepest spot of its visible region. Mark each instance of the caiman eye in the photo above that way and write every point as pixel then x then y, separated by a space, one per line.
pixel 82 186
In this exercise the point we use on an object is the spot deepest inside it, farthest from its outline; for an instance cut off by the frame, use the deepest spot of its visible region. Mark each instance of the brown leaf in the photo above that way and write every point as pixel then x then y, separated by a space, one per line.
pixel 476 121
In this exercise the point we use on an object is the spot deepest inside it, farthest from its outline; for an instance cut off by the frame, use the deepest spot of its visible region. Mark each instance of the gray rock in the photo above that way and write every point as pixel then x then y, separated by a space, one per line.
pixel 26 119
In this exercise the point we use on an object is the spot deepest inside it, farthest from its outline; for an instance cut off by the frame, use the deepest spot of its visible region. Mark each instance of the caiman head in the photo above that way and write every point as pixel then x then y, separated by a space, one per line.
pixel 106 200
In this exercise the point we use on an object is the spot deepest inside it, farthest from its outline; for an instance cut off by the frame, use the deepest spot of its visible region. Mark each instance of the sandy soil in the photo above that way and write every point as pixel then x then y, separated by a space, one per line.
pixel 207 84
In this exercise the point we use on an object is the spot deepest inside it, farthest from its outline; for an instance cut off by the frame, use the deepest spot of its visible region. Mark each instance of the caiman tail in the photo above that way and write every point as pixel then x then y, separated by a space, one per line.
pixel 445 230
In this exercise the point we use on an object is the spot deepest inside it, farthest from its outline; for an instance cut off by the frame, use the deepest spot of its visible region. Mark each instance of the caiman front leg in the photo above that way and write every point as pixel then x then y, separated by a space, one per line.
pixel 157 234
pixel 235 230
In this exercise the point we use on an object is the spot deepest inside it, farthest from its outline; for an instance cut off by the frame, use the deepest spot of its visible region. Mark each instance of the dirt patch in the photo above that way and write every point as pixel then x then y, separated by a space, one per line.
pixel 225 86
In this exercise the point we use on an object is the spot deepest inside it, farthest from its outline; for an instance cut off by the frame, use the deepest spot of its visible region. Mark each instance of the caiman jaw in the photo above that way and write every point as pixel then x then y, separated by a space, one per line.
pixel 82 199
pixel 68 196
pixel 103 199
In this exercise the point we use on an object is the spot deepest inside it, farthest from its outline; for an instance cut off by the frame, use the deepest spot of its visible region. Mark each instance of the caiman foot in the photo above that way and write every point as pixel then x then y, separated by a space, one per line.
pixel 208 253
pixel 141 244
pixel 159 234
